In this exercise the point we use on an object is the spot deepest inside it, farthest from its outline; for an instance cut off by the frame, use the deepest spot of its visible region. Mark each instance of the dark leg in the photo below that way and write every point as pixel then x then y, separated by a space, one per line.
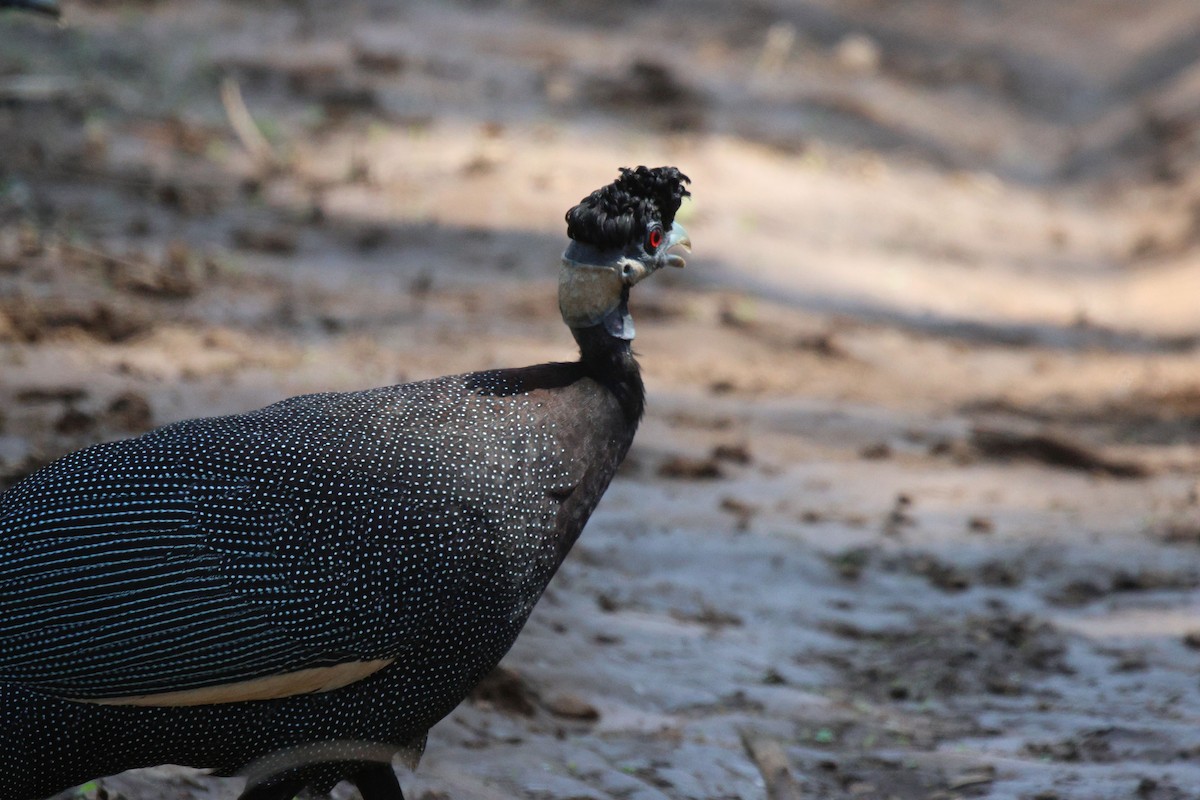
pixel 374 781
pixel 377 782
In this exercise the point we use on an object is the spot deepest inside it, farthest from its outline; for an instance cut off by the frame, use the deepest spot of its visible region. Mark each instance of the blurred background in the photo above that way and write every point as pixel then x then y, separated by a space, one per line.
pixel 913 513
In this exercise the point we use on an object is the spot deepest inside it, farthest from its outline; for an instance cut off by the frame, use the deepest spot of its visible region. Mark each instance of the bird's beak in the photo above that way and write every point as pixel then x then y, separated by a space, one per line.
pixel 633 271
pixel 678 237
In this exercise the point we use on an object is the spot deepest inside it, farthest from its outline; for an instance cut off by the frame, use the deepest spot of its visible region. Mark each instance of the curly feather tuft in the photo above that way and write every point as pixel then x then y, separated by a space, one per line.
pixel 619 213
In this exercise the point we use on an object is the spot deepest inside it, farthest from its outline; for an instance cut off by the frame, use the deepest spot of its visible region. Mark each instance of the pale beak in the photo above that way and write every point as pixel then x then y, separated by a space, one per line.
pixel 678 237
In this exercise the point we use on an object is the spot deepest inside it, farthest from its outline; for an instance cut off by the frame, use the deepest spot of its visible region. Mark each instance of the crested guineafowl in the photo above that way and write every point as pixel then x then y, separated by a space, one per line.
pixel 298 593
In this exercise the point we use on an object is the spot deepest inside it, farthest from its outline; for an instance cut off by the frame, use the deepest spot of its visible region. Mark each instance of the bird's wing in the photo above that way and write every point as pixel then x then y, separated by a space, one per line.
pixel 106 588
pixel 172 563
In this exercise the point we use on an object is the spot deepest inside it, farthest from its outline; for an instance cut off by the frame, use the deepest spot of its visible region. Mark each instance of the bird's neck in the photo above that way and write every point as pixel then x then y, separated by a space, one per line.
pixel 609 360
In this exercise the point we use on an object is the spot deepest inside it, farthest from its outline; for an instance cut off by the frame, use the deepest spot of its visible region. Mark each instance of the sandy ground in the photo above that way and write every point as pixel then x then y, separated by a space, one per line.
pixel 914 512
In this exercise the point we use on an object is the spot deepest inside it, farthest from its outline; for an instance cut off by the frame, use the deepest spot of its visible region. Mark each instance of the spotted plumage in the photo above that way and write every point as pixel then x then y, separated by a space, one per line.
pixel 300 592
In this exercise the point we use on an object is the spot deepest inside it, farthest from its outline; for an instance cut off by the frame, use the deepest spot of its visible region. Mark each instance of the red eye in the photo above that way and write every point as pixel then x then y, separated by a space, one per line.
pixel 655 238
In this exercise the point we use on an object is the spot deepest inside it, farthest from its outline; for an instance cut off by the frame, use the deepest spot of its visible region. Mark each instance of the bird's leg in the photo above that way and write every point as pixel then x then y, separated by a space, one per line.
pixel 374 781
pixel 377 782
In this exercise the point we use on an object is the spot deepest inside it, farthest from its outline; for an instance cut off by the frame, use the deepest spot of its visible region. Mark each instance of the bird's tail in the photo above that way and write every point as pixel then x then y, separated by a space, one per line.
pixel 48 7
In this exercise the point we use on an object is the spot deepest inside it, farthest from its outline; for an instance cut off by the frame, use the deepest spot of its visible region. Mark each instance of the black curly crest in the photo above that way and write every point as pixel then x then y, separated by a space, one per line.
pixel 620 213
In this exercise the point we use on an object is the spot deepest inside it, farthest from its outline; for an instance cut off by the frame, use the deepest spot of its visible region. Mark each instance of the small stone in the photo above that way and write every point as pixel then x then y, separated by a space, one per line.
pixel 684 468
pixel 608 603
pixel 276 240
pixel 774 678
pixel 738 507
pixel 74 421
pixel 859 53
pixel 876 451
pixel 572 707
pixel 733 453
pixel 980 525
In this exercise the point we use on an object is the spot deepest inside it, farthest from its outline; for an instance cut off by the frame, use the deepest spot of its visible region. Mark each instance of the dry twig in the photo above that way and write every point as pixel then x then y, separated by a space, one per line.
pixel 244 125
pixel 773 763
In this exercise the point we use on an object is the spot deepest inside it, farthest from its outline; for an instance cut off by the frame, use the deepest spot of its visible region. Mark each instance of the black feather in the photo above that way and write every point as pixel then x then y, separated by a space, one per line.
pixel 619 213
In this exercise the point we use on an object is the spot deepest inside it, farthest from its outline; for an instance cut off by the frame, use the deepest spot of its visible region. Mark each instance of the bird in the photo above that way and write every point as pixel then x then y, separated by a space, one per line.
pixel 48 7
pixel 298 593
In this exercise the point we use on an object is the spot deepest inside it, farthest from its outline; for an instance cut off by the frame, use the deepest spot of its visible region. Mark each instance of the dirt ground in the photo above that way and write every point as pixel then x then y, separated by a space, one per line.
pixel 915 509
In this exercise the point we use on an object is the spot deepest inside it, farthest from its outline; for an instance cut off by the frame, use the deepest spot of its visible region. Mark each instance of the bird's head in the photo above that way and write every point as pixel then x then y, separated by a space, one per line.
pixel 620 234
